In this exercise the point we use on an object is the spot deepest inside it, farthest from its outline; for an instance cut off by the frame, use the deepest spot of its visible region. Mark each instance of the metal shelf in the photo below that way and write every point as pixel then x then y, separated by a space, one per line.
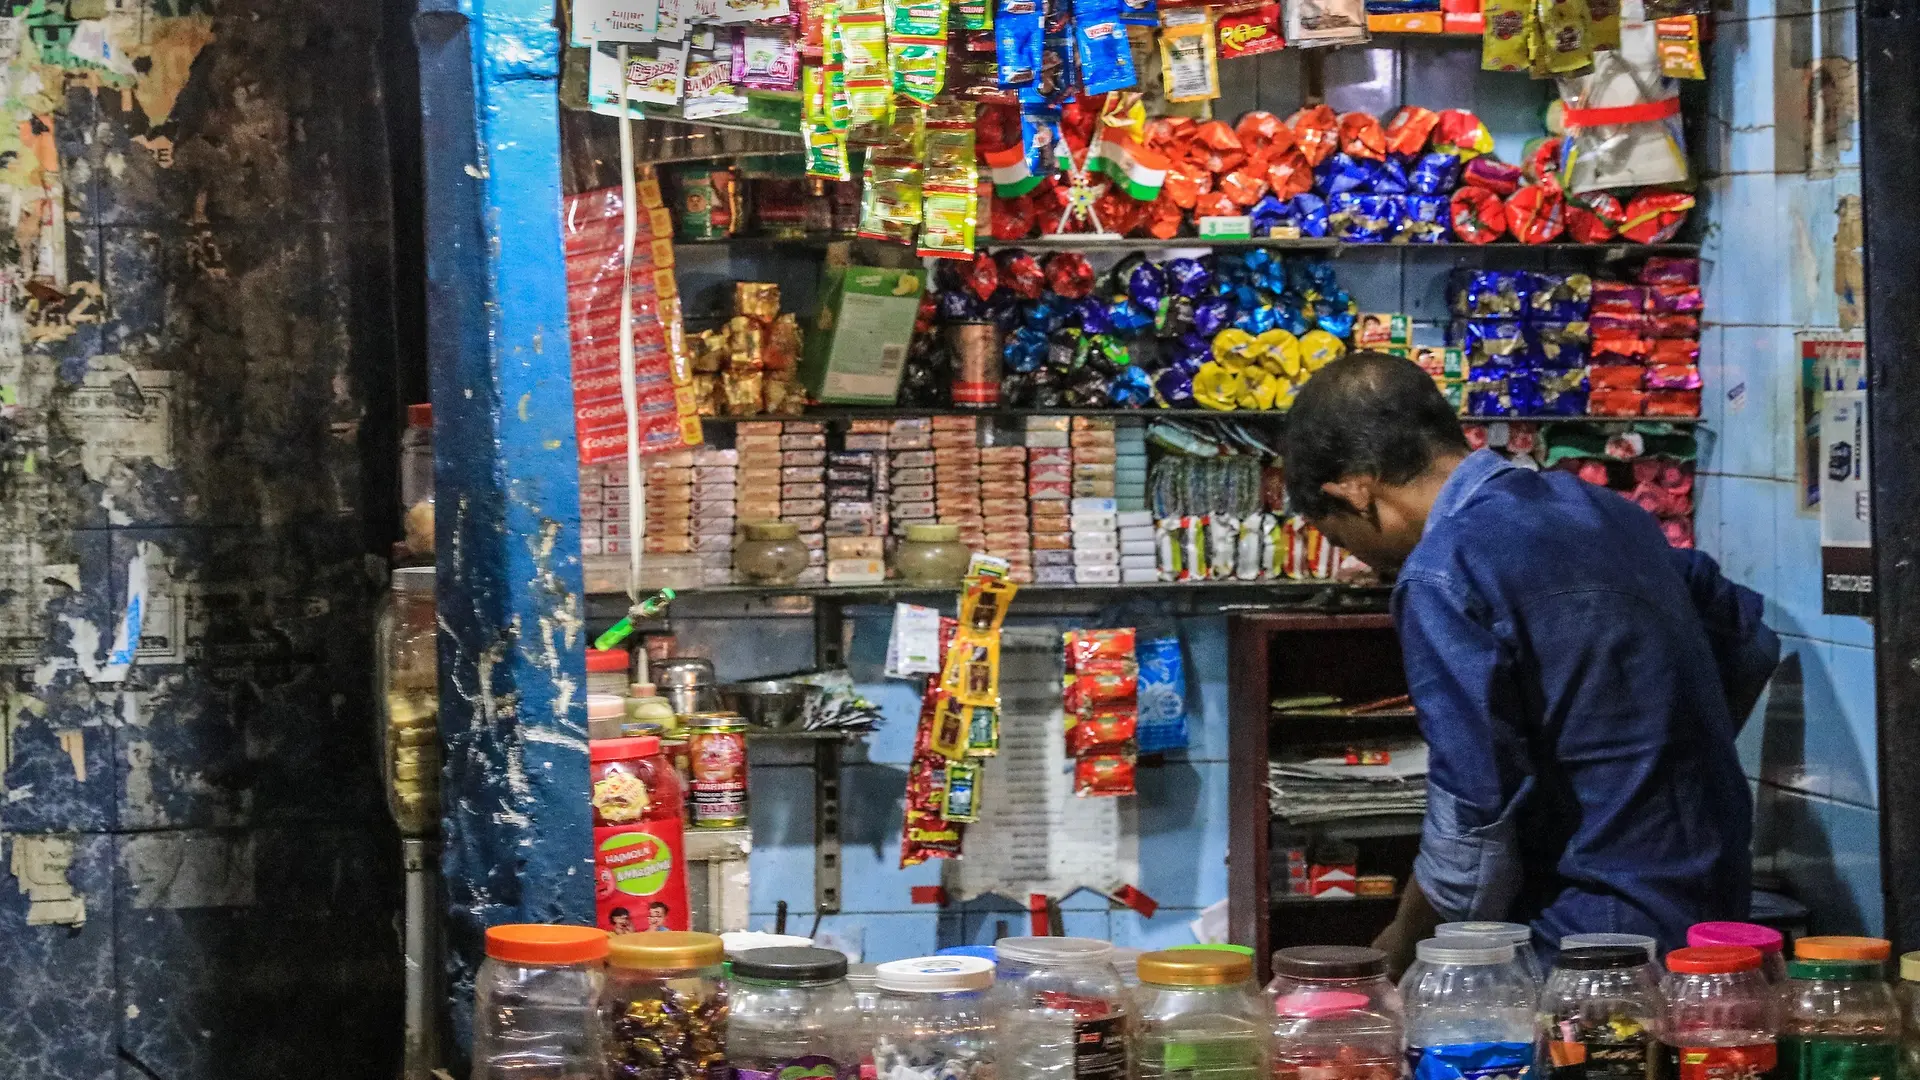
pixel 1087 242
pixel 1326 593
pixel 888 412
pixel 1291 900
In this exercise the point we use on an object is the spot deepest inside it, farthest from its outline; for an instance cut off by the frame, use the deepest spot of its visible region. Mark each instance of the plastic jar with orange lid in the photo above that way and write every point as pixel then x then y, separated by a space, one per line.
pixel 536 1004
pixel 1841 1022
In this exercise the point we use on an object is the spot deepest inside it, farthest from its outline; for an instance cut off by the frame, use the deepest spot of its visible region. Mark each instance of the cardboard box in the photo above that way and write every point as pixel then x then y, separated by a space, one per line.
pixel 858 345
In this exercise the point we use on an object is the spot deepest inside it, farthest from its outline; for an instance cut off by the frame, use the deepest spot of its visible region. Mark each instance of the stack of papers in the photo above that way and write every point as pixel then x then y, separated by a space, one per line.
pixel 1317 790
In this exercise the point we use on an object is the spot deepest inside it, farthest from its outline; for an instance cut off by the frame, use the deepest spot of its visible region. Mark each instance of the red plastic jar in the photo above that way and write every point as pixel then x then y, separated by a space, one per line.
pixel 639 838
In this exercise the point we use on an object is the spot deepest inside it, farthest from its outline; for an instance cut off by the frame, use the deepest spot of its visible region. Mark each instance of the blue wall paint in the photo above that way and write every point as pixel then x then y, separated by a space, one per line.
pixel 1770 271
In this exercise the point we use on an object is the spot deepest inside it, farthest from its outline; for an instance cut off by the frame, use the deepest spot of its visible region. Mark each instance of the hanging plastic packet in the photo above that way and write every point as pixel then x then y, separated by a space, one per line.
pixel 1189 54
pixel 766 58
pixel 1163 688
pixel 983 733
pixel 1250 29
pixel 1110 773
pixel 950 203
pixel 1563 42
pixel 962 798
pixel 973 15
pixel 917 47
pixel 1019 39
pixel 1504 43
pixel 1107 727
pixel 709 87
pixel 1314 23
pixel 1100 47
pixel 869 81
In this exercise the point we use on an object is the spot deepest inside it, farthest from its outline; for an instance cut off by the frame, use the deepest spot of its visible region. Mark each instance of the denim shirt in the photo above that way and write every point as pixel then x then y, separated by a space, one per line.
pixel 1580 684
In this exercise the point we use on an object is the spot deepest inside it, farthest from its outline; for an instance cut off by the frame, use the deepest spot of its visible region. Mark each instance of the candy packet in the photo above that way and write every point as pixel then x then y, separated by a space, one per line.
pixel 766 58
pixel 1189 56
pixel 1104 728
pixel 1106 773
pixel 1100 47
pixel 1019 37
pixel 1250 29
pixel 1088 646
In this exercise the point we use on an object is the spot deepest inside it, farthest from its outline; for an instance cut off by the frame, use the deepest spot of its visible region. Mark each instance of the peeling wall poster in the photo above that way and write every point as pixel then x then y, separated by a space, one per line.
pixel 1846 522
pixel 1827 360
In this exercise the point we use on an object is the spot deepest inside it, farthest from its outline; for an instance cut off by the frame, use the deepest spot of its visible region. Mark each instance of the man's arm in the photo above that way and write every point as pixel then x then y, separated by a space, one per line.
pixel 1744 649
pixel 1413 923
pixel 1478 769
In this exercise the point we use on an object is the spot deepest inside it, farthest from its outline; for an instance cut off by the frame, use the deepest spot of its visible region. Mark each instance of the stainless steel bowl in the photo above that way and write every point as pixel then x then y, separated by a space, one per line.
pixel 772 704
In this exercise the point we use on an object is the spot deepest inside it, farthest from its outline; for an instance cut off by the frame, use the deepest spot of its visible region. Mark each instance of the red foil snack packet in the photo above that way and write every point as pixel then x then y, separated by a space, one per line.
pixel 1496 176
pixel 1021 272
pixel 1069 274
pixel 1361 136
pixel 1317 131
pixel 1672 403
pixel 1479 217
pixel 1653 217
pixel 1536 215
pixel 1107 727
pixel 1616 402
pixel 1669 270
pixel 1289 175
pixel 1215 204
pixel 1222 147
pixel 983 276
pixel 1408 131
pixel 1461 133
pixel 1594 218
pixel 1165 218
pixel 1542 162
pixel 1185 184
pixel 1250 29
pixel 1243 187
pixel 1120 213
pixel 1262 135
pixel 1104 774
pixel 1013 219
pixel 1615 377
pixel 1085 647
pixel 1105 682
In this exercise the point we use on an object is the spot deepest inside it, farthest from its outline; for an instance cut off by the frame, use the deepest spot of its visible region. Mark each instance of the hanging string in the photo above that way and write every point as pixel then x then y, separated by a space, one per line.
pixel 629 394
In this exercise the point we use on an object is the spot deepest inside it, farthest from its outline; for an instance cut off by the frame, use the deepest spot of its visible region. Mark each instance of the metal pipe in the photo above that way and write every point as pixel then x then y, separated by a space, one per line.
pixel 420 934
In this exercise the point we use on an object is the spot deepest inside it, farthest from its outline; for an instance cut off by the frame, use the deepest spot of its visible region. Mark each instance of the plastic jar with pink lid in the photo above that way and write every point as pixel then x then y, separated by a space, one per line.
pixel 1335 1015
pixel 1772 946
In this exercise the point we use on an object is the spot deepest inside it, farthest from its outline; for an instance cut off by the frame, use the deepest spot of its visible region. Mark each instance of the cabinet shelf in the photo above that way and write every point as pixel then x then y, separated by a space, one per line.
pixel 1266 416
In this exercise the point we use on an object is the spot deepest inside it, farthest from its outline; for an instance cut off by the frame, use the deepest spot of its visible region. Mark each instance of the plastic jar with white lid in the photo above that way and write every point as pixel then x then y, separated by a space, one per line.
pixel 1601 1010
pixel 1722 1016
pixel 536 1004
pixel 1335 1014
pixel 1200 1017
pixel 792 1008
pixel 1469 1007
pixel 934 1019
pixel 1064 1014
pixel 1519 935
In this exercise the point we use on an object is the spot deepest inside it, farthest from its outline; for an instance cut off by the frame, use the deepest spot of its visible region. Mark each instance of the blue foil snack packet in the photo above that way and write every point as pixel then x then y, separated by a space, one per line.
pixel 1100 45
pixel 1163 695
pixel 1472 1061
pixel 1018 40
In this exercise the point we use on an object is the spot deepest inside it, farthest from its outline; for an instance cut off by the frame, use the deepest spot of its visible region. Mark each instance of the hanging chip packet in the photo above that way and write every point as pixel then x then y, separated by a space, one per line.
pixel 1189 54
pixel 950 192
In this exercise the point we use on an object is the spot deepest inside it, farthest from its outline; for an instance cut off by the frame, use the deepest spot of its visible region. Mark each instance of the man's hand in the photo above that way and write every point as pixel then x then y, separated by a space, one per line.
pixel 1412 924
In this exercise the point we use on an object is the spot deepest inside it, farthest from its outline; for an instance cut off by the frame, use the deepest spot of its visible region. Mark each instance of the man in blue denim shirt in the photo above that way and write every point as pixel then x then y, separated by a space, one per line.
pixel 1579 682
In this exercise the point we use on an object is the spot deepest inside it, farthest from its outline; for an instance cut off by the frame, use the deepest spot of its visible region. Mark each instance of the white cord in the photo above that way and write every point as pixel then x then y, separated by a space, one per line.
pixel 629 395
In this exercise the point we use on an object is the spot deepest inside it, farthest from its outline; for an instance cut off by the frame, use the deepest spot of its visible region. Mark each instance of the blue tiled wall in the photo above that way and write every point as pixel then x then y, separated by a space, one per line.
pixel 1773 209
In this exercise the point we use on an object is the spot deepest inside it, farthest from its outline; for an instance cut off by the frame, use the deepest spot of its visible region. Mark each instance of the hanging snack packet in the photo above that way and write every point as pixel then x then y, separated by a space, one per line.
pixel 950 207
pixel 1106 727
pixel 1101 49
pixel 961 801
pixel 983 733
pixel 1312 23
pixel 1316 130
pixel 1189 57
pixel 1019 38
pixel 972 676
pixel 1509 27
pixel 869 82
pixel 1678 39
pixel 1109 773
pixel 1084 647
pixel 766 58
pixel 1564 41
pixel 1653 217
pixel 1162 710
pixel 1101 683
pixel 1250 29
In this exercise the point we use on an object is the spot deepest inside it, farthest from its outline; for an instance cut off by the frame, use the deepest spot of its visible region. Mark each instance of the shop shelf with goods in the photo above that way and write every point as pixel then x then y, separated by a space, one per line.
pixel 1308 861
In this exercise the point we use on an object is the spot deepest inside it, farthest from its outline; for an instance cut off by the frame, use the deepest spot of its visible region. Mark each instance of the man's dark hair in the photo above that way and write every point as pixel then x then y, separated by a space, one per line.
pixel 1368 414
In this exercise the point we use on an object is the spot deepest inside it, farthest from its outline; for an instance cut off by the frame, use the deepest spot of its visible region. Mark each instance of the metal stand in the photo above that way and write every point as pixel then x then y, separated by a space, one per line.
pixel 829 644
pixel 420 933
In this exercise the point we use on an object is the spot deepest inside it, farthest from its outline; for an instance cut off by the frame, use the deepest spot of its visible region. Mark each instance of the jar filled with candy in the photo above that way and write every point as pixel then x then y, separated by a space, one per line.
pixel 1721 1014
pixel 1063 1011
pixel 537 1002
pixel 1908 995
pixel 791 1008
pixel 1772 946
pixel 934 1020
pixel 1335 1015
pixel 1601 1014
pixel 1637 941
pixel 1469 1010
pixel 1841 1022
pixel 1519 935
pixel 666 1007
pixel 1200 1017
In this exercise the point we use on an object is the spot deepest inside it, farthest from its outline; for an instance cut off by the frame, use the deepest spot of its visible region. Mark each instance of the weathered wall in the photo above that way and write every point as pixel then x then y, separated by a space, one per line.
pixel 195 390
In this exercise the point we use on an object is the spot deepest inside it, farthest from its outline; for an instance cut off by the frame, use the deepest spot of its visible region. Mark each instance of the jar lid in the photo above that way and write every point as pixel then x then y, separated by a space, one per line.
pixel 1314 1004
pixel 1601 957
pixel 1464 949
pixel 1836 970
pixel 1220 946
pixel 985 952
pixel 622 749
pixel 1509 932
pixel 933 534
pixel 863 976
pixel 1910 967
pixel 604 706
pixel 665 950
pixel 535 943
pixel 1330 962
pixel 739 941
pixel 1713 959
pixel 936 974
pixel 1638 941
pixel 772 530
pixel 607 659
pixel 1194 967
pixel 1054 950
pixel 716 720
pixel 1752 935
pixel 790 963
pixel 1842 948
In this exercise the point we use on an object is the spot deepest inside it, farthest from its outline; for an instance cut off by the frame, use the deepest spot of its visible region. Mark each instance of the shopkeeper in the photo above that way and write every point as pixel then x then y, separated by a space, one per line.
pixel 1579 682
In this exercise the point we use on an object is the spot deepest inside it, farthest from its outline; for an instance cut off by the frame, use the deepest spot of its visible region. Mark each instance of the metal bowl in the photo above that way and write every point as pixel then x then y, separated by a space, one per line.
pixel 772 704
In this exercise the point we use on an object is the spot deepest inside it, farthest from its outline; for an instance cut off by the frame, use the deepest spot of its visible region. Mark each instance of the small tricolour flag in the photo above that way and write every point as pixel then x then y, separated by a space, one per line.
pixel 1140 172
pixel 1012 177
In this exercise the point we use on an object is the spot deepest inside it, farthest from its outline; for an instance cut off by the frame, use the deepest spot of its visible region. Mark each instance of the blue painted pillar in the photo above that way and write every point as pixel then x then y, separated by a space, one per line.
pixel 512 661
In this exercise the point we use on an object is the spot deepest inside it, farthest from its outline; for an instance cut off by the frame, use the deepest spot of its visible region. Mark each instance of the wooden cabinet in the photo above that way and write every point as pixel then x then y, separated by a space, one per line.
pixel 1355 657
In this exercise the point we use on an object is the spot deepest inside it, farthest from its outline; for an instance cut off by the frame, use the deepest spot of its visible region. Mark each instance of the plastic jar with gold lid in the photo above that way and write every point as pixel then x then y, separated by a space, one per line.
pixel 666 1007
pixel 1200 1017
pixel 932 555
pixel 771 554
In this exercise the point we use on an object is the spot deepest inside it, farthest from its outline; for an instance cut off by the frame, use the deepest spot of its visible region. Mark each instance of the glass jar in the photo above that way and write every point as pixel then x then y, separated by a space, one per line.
pixel 933 1020
pixel 1721 1014
pixel 639 837
pixel 536 1004
pixel 863 980
pixel 1841 1021
pixel 932 555
pixel 416 480
pixel 771 554
pixel 1063 1011
pixel 1907 993
pixel 792 1009
pixel 1518 935
pixel 1200 1017
pixel 1335 1015
pixel 666 1007
pixel 1469 1005
pixel 408 674
pixel 605 715
pixel 1635 941
pixel 1601 1014
pixel 1773 959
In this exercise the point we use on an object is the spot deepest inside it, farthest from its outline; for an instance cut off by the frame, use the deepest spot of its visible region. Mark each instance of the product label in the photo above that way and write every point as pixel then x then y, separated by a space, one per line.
pixel 1629 1058
pixel 719 787
pixel 1751 1062
pixel 1472 1061
pixel 1100 1049
pixel 1834 1058
pixel 640 877
pixel 811 1067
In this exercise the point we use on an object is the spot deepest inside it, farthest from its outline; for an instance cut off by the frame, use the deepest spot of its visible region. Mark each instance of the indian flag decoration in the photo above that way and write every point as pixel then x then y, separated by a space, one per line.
pixel 1012 176
pixel 1139 171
